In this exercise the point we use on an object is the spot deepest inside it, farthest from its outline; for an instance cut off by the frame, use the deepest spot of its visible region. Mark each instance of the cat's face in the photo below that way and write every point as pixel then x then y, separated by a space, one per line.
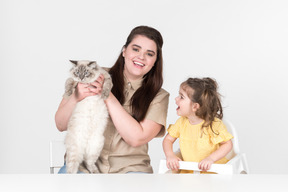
pixel 84 71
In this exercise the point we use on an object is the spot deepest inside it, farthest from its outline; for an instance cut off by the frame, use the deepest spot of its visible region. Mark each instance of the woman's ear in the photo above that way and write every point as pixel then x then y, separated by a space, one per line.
pixel 123 51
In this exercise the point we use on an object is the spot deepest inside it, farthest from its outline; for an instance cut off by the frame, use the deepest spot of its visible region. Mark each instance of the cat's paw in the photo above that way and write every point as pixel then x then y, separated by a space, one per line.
pixel 93 169
pixel 69 87
pixel 69 82
pixel 72 169
pixel 105 94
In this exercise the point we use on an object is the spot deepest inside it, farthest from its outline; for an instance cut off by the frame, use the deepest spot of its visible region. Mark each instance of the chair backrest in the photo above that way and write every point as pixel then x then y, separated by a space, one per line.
pixel 57 152
pixel 231 129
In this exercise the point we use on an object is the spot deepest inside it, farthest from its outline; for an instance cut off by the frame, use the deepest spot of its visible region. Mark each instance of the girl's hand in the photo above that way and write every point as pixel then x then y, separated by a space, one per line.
pixel 85 90
pixel 205 164
pixel 172 162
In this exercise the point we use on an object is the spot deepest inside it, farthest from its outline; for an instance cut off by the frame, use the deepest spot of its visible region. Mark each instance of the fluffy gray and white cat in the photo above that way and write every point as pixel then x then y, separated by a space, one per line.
pixel 84 140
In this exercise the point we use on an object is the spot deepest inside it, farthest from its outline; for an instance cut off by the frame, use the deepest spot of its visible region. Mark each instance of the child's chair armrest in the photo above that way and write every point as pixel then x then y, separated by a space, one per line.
pixel 187 165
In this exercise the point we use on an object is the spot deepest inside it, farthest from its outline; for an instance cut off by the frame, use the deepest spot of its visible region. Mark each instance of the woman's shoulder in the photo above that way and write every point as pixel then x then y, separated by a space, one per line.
pixel 161 95
pixel 106 68
pixel 163 92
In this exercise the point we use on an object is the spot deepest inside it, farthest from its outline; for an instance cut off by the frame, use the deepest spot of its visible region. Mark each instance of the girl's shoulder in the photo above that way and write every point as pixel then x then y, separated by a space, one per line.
pixel 220 132
pixel 217 121
pixel 182 120
pixel 218 124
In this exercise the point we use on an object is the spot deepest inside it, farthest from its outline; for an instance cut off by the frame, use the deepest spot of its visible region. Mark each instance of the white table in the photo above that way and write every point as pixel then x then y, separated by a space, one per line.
pixel 142 182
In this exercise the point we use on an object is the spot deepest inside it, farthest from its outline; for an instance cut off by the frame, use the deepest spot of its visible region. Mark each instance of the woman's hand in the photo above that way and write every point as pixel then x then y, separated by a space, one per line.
pixel 85 90
pixel 172 162
pixel 67 105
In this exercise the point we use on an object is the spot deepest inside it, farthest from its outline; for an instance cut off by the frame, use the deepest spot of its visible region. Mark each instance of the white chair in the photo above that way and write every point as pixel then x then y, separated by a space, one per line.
pixel 237 163
pixel 57 152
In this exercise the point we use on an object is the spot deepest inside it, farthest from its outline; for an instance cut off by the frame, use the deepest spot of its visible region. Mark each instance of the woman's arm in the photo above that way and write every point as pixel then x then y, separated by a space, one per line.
pixel 224 149
pixel 133 132
pixel 64 112
pixel 172 161
pixel 67 105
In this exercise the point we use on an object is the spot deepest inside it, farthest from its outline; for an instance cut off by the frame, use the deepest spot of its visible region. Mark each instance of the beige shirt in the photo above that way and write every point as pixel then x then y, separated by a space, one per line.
pixel 119 157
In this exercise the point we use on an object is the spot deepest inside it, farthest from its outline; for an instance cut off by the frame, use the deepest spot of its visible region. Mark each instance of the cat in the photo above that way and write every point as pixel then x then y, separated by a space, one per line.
pixel 84 140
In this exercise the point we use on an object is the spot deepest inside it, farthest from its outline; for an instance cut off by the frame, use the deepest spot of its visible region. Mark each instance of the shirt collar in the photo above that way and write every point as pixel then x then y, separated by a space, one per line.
pixel 133 84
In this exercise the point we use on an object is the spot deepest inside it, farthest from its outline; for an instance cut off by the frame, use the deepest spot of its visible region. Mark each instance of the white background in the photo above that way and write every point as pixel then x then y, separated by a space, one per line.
pixel 243 44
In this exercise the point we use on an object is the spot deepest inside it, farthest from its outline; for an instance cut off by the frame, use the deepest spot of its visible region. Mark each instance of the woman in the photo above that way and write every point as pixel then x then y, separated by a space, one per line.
pixel 137 104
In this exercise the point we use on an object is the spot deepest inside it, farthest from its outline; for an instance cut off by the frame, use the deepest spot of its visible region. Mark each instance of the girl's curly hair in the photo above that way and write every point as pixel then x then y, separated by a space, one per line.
pixel 204 92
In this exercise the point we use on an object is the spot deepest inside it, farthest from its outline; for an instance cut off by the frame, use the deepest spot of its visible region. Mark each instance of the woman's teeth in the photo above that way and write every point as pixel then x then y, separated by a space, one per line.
pixel 137 63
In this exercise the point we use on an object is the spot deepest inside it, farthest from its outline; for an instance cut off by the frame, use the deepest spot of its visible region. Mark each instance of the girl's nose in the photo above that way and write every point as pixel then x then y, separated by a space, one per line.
pixel 176 99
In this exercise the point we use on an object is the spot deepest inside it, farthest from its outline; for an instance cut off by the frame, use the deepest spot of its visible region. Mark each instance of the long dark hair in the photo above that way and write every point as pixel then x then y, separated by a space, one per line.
pixel 152 81
pixel 204 92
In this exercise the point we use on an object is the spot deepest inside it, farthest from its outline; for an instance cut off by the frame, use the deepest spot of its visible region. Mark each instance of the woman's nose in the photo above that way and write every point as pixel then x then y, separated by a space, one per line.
pixel 141 55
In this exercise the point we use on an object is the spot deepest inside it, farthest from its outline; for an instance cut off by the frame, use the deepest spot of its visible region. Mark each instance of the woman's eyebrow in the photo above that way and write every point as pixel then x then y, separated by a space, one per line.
pixel 151 51
pixel 141 48
pixel 136 45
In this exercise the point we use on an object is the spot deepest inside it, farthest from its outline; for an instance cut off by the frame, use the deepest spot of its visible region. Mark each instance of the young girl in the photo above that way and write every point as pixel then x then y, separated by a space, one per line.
pixel 202 135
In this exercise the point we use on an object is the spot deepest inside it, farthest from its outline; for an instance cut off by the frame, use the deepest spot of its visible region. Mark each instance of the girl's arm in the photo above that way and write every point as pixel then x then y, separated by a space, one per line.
pixel 224 149
pixel 67 105
pixel 133 132
pixel 172 161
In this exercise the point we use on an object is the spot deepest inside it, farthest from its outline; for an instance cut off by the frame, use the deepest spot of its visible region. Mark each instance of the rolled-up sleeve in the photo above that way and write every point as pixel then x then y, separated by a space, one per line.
pixel 158 109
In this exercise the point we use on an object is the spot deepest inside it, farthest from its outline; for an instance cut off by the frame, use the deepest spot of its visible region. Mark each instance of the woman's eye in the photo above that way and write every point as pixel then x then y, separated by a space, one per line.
pixel 150 54
pixel 135 49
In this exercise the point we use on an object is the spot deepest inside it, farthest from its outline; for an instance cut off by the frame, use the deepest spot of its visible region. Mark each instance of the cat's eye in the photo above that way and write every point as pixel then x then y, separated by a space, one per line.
pixel 87 73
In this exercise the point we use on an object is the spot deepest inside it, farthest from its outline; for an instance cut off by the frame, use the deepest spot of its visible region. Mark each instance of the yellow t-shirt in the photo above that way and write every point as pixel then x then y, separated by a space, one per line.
pixel 195 147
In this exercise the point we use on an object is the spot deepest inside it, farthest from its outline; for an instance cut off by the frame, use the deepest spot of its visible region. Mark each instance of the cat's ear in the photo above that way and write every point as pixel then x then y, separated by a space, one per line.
pixel 74 62
pixel 93 64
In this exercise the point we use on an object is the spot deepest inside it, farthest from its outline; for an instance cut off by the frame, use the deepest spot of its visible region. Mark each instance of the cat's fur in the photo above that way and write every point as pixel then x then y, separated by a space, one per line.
pixel 84 140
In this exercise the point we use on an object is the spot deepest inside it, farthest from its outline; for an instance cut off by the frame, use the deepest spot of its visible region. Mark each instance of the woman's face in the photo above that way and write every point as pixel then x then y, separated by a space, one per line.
pixel 139 56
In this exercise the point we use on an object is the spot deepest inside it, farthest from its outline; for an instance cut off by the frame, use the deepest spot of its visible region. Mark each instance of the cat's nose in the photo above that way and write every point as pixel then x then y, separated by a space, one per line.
pixel 82 77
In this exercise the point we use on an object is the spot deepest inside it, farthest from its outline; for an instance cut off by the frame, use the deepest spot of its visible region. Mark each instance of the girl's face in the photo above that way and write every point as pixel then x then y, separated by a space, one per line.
pixel 140 56
pixel 186 107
